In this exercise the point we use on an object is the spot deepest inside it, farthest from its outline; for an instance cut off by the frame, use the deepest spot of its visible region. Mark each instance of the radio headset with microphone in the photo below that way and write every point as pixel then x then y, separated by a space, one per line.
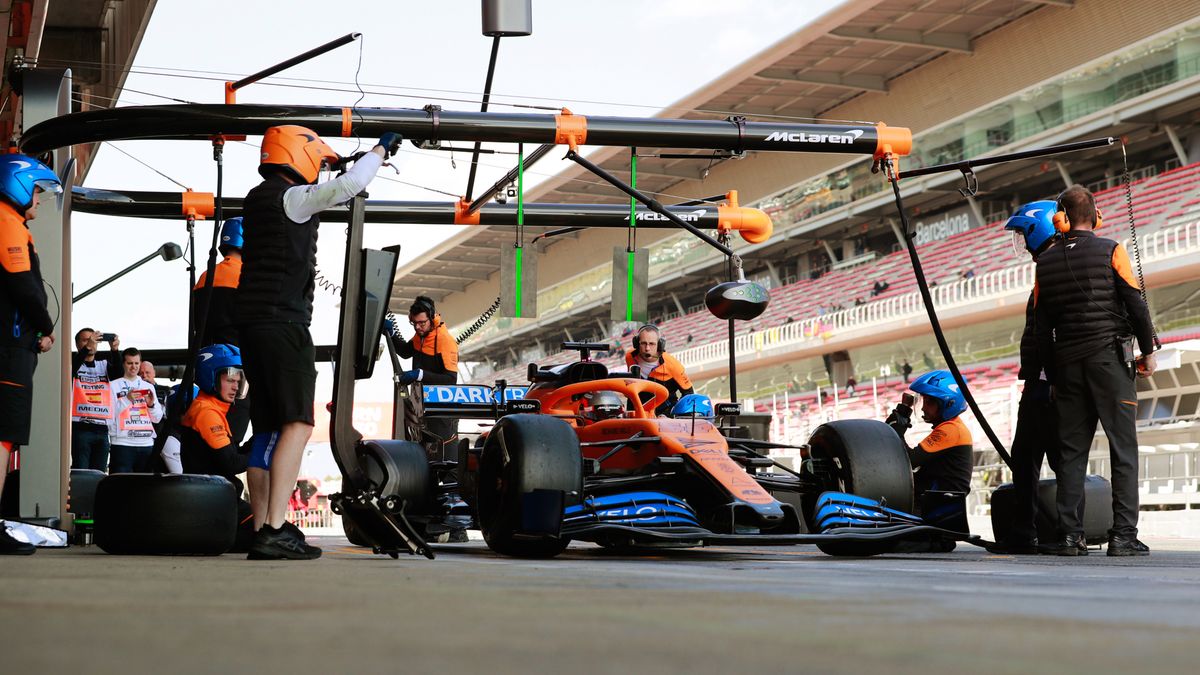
pixel 662 343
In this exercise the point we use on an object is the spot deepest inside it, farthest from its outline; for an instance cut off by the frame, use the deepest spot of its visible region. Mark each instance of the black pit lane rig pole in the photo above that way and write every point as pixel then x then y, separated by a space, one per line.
pixel 965 167
pixel 754 225
pixel 203 121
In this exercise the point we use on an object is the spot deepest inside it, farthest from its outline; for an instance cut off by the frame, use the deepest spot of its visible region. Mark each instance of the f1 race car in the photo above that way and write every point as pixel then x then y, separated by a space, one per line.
pixel 554 468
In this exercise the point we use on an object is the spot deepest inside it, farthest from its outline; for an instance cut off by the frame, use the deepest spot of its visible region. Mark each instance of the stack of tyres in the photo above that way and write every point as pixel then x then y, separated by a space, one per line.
pixel 1097 512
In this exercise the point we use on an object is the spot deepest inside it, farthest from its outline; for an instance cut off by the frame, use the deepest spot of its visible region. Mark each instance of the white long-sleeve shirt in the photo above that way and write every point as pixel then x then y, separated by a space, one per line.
pixel 135 409
pixel 305 201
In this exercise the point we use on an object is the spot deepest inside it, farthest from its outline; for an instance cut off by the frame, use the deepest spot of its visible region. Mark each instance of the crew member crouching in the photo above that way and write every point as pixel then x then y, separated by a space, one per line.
pixel 942 460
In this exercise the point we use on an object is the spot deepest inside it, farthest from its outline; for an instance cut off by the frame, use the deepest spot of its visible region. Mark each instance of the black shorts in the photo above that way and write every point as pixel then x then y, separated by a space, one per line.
pixel 16 393
pixel 278 359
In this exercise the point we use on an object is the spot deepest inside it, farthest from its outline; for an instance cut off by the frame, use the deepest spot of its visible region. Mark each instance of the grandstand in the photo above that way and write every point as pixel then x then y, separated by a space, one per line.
pixel 969 82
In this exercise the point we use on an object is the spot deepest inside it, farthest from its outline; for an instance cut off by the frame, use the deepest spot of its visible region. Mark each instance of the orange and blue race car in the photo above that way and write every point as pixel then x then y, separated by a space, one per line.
pixel 580 456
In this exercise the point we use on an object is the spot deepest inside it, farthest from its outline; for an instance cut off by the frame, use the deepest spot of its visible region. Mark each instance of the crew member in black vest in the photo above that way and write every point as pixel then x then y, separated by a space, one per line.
pixel 274 304
pixel 1089 309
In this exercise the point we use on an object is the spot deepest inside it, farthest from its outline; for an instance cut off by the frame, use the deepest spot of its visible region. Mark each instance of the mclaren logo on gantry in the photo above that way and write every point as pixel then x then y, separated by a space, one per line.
pixel 689 216
pixel 803 137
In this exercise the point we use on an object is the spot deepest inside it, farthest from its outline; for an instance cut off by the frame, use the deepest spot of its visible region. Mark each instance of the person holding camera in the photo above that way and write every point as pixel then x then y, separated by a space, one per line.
pixel 1089 310
pixel 91 397
pixel 274 304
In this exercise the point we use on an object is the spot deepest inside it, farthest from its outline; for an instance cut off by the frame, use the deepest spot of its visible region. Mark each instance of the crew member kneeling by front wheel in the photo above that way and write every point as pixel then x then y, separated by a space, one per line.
pixel 206 440
pixel 942 460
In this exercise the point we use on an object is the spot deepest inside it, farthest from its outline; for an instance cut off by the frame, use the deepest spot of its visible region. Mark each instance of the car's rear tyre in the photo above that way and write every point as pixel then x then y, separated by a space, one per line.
pixel 150 514
pixel 530 470
pixel 865 458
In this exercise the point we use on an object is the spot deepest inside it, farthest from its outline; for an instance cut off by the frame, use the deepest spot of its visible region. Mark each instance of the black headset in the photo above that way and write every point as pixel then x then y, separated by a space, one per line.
pixel 423 304
pixel 662 343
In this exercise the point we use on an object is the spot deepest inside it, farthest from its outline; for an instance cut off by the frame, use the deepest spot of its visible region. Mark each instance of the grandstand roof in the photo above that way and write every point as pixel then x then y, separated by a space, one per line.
pixel 856 48
pixel 96 39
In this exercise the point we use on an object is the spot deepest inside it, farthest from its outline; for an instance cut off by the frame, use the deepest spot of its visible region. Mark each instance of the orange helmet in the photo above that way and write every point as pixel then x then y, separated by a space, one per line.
pixel 297 148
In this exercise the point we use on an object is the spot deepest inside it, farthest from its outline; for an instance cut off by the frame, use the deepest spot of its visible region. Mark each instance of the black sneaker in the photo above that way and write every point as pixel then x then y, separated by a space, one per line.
pixel 12 546
pixel 291 528
pixel 1126 546
pixel 280 544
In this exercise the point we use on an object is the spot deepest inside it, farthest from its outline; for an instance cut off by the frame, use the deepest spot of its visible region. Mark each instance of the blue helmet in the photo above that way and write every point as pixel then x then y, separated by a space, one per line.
pixel 1035 222
pixel 214 360
pixel 20 175
pixel 231 234
pixel 940 385
pixel 693 405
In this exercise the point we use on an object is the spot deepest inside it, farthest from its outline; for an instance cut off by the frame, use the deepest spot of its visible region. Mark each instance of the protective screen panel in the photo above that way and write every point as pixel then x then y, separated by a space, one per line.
pixel 631 279
pixel 518 282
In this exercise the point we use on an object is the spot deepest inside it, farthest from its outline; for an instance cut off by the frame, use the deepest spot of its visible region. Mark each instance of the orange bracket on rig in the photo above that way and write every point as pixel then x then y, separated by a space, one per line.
pixel 892 143
pixel 198 205
pixel 570 129
pixel 461 217
pixel 754 225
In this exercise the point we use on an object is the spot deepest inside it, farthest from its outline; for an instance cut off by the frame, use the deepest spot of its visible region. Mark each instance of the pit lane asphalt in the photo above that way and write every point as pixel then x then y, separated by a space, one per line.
pixel 712 610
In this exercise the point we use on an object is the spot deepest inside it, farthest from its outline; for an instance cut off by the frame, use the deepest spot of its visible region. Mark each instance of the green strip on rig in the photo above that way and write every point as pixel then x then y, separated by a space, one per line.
pixel 84 521
pixel 517 287
pixel 520 223
pixel 629 286
pixel 632 225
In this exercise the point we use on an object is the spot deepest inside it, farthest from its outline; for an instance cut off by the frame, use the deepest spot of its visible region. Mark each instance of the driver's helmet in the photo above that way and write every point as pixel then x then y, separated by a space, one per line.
pixel 605 405
pixel 693 405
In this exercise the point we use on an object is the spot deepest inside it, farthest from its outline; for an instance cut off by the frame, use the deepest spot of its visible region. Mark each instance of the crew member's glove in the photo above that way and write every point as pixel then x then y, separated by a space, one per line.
pixel 410 376
pixel 390 327
pixel 901 419
pixel 390 142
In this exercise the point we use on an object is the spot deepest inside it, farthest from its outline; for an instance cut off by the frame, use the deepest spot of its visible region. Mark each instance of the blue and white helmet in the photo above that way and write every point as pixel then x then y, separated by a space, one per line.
pixel 231 234
pixel 213 361
pixel 940 386
pixel 20 175
pixel 693 405
pixel 1035 223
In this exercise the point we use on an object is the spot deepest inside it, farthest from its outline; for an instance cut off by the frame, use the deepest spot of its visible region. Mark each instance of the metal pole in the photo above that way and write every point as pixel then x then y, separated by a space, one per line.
pixel 301 58
pixel 968 164
pixel 118 275
pixel 650 203
pixel 540 152
pixel 205 120
pixel 487 97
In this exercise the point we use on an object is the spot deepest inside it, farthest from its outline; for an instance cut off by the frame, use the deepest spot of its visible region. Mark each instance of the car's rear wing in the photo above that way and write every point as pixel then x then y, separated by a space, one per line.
pixel 477 401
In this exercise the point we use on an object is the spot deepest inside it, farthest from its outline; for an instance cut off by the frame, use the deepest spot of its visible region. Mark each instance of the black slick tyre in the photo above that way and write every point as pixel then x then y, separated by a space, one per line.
pixel 530 470
pixel 148 514
pixel 864 458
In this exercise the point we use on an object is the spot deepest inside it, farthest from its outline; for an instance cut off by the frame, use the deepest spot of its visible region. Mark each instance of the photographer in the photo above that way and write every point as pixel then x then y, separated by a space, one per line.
pixel 91 397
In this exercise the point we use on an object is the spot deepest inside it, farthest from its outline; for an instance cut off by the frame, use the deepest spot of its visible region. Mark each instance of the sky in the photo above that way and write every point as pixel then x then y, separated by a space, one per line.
pixel 618 57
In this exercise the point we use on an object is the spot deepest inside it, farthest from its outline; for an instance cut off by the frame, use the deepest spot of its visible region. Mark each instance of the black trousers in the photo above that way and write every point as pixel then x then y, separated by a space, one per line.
pixel 1035 439
pixel 1098 388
